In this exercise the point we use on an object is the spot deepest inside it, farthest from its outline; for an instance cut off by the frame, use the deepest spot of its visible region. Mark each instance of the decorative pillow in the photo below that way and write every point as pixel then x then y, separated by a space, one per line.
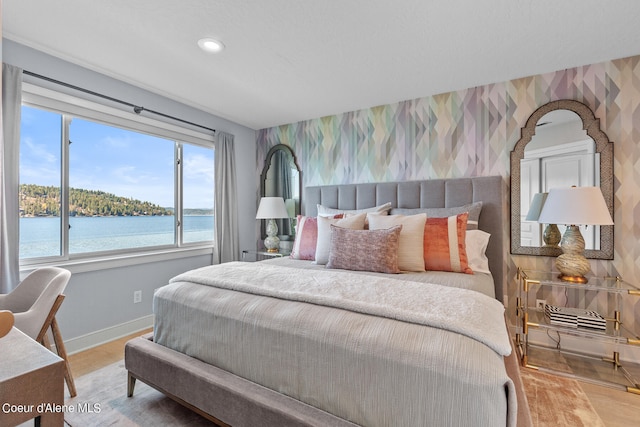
pixel 355 222
pixel 477 241
pixel 365 250
pixel 304 246
pixel 473 209
pixel 411 249
pixel 325 211
pixel 444 244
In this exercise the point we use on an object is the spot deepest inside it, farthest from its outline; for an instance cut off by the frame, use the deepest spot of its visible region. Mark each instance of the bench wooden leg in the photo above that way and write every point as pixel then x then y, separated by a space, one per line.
pixel 131 384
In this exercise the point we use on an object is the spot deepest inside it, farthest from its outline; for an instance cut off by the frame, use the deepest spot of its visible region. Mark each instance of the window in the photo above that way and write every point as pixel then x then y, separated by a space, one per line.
pixel 197 179
pixel 94 182
pixel 40 171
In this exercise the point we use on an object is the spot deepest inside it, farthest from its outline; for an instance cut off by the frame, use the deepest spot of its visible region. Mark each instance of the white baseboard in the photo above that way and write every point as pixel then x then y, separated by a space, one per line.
pixel 85 342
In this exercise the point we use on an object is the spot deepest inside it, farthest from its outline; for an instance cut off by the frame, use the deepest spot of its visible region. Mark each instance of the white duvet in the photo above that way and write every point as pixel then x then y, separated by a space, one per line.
pixel 457 310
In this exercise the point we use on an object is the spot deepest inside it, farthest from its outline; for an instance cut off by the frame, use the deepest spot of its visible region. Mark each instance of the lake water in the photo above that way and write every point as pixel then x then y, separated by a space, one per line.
pixel 40 237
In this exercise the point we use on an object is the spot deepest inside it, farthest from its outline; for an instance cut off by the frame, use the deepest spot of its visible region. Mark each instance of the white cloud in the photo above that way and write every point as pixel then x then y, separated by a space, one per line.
pixel 38 152
pixel 198 167
pixel 116 142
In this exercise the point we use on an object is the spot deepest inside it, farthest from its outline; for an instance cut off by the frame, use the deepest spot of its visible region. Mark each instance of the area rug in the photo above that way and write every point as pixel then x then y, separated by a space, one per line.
pixel 102 401
pixel 558 401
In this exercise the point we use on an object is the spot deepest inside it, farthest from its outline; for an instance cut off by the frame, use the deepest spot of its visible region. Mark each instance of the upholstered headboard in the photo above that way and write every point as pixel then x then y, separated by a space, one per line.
pixel 436 193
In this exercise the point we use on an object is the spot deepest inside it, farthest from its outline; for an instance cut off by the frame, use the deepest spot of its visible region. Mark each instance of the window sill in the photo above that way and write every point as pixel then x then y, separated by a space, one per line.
pixel 121 260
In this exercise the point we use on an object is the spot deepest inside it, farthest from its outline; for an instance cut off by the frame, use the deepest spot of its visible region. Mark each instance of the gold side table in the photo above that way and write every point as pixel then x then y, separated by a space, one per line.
pixel 603 295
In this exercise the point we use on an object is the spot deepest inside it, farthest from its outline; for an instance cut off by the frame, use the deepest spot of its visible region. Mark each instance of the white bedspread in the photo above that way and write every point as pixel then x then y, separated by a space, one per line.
pixel 458 310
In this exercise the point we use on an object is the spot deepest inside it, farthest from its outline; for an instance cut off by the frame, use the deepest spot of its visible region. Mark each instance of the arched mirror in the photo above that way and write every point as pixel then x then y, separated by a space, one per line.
pixel 281 177
pixel 561 145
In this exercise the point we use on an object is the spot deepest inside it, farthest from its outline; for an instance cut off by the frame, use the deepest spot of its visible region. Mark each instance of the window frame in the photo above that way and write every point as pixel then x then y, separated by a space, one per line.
pixel 69 107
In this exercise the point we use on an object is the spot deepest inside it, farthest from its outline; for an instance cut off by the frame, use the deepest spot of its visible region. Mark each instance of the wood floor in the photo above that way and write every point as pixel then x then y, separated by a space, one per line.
pixel 616 408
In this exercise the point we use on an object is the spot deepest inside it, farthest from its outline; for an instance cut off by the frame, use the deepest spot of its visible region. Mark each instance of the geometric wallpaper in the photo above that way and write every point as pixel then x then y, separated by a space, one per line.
pixel 471 132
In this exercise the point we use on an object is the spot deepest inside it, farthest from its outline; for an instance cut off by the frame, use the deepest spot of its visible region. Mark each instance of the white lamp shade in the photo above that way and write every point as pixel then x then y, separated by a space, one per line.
pixel 536 206
pixel 271 208
pixel 575 206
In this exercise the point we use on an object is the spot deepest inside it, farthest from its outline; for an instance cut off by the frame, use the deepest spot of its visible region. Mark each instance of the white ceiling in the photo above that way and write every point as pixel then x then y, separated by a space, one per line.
pixel 292 60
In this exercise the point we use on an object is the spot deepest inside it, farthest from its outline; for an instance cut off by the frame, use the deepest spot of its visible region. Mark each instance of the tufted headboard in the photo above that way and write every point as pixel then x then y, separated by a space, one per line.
pixel 435 193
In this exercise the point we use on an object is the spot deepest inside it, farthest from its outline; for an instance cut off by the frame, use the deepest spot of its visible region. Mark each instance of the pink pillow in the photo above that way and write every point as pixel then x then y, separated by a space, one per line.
pixel 365 250
pixel 444 244
pixel 304 245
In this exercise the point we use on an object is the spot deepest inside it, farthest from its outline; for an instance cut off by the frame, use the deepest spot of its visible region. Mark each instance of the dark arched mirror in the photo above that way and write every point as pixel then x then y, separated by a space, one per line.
pixel 281 177
pixel 561 145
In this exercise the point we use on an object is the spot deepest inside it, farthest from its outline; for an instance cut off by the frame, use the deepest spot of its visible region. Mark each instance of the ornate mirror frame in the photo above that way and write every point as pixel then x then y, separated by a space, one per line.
pixel 603 146
pixel 265 170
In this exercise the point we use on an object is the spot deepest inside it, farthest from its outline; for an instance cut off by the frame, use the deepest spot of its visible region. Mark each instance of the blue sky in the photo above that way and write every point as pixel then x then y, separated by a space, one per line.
pixel 113 160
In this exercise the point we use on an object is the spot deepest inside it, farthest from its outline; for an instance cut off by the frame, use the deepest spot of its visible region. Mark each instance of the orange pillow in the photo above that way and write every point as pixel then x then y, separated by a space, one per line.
pixel 444 244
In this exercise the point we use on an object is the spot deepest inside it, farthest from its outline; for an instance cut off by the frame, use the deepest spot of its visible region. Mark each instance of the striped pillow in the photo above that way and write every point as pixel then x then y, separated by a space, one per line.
pixel 444 244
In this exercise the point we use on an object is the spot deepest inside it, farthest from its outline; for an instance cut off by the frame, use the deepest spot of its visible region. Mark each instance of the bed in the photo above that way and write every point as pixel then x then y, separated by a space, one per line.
pixel 290 342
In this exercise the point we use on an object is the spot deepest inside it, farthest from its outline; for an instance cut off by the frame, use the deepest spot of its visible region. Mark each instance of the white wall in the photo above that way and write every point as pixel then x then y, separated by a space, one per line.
pixel 99 304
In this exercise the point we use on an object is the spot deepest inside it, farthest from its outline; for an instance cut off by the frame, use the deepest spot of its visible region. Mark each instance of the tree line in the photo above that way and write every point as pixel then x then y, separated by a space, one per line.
pixel 39 200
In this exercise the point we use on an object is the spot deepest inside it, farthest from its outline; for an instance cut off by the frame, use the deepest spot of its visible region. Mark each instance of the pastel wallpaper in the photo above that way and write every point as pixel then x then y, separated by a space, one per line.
pixel 471 132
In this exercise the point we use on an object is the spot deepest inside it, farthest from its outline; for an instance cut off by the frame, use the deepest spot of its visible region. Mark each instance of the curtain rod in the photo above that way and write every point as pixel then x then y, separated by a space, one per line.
pixel 136 108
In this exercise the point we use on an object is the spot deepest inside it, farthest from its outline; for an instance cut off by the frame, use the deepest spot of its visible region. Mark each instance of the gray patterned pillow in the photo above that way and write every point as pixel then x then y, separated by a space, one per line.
pixel 325 211
pixel 473 209
pixel 365 250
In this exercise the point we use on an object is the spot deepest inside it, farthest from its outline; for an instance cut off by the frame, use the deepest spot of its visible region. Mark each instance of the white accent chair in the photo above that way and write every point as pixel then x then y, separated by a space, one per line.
pixel 34 303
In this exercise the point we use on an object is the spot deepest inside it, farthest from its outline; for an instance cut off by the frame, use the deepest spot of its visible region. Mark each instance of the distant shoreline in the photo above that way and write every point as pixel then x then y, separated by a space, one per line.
pixel 113 216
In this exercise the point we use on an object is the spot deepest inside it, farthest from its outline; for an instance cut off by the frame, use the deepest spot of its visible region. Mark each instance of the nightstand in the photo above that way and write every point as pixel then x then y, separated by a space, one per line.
pixel 248 255
pixel 589 314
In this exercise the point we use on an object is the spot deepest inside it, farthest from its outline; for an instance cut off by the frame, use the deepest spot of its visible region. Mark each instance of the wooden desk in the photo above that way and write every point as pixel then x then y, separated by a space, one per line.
pixel 31 382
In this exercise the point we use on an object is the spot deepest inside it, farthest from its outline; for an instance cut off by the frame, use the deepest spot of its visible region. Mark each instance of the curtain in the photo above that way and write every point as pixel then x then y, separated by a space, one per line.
pixel 9 177
pixel 226 206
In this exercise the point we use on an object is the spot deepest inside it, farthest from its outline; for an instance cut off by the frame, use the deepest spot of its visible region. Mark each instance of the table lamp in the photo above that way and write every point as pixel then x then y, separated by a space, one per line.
pixel 551 235
pixel 271 208
pixel 573 207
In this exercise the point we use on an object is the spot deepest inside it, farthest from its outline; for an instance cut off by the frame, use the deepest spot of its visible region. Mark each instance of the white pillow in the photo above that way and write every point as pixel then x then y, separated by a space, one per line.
pixel 323 244
pixel 411 248
pixel 325 211
pixel 476 242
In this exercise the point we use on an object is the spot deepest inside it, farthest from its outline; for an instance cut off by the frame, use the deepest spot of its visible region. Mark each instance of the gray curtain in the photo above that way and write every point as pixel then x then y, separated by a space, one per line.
pixel 226 207
pixel 9 177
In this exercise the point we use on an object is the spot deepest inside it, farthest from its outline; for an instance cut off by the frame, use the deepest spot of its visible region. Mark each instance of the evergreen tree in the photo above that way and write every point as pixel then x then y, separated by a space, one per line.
pixel 38 200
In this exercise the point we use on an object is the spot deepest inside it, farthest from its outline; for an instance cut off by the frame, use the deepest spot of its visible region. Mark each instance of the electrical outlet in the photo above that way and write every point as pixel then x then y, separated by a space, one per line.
pixel 137 297
pixel 540 303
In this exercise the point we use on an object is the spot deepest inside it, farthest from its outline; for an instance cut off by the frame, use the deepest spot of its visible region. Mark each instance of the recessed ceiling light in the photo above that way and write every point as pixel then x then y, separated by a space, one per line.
pixel 210 45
